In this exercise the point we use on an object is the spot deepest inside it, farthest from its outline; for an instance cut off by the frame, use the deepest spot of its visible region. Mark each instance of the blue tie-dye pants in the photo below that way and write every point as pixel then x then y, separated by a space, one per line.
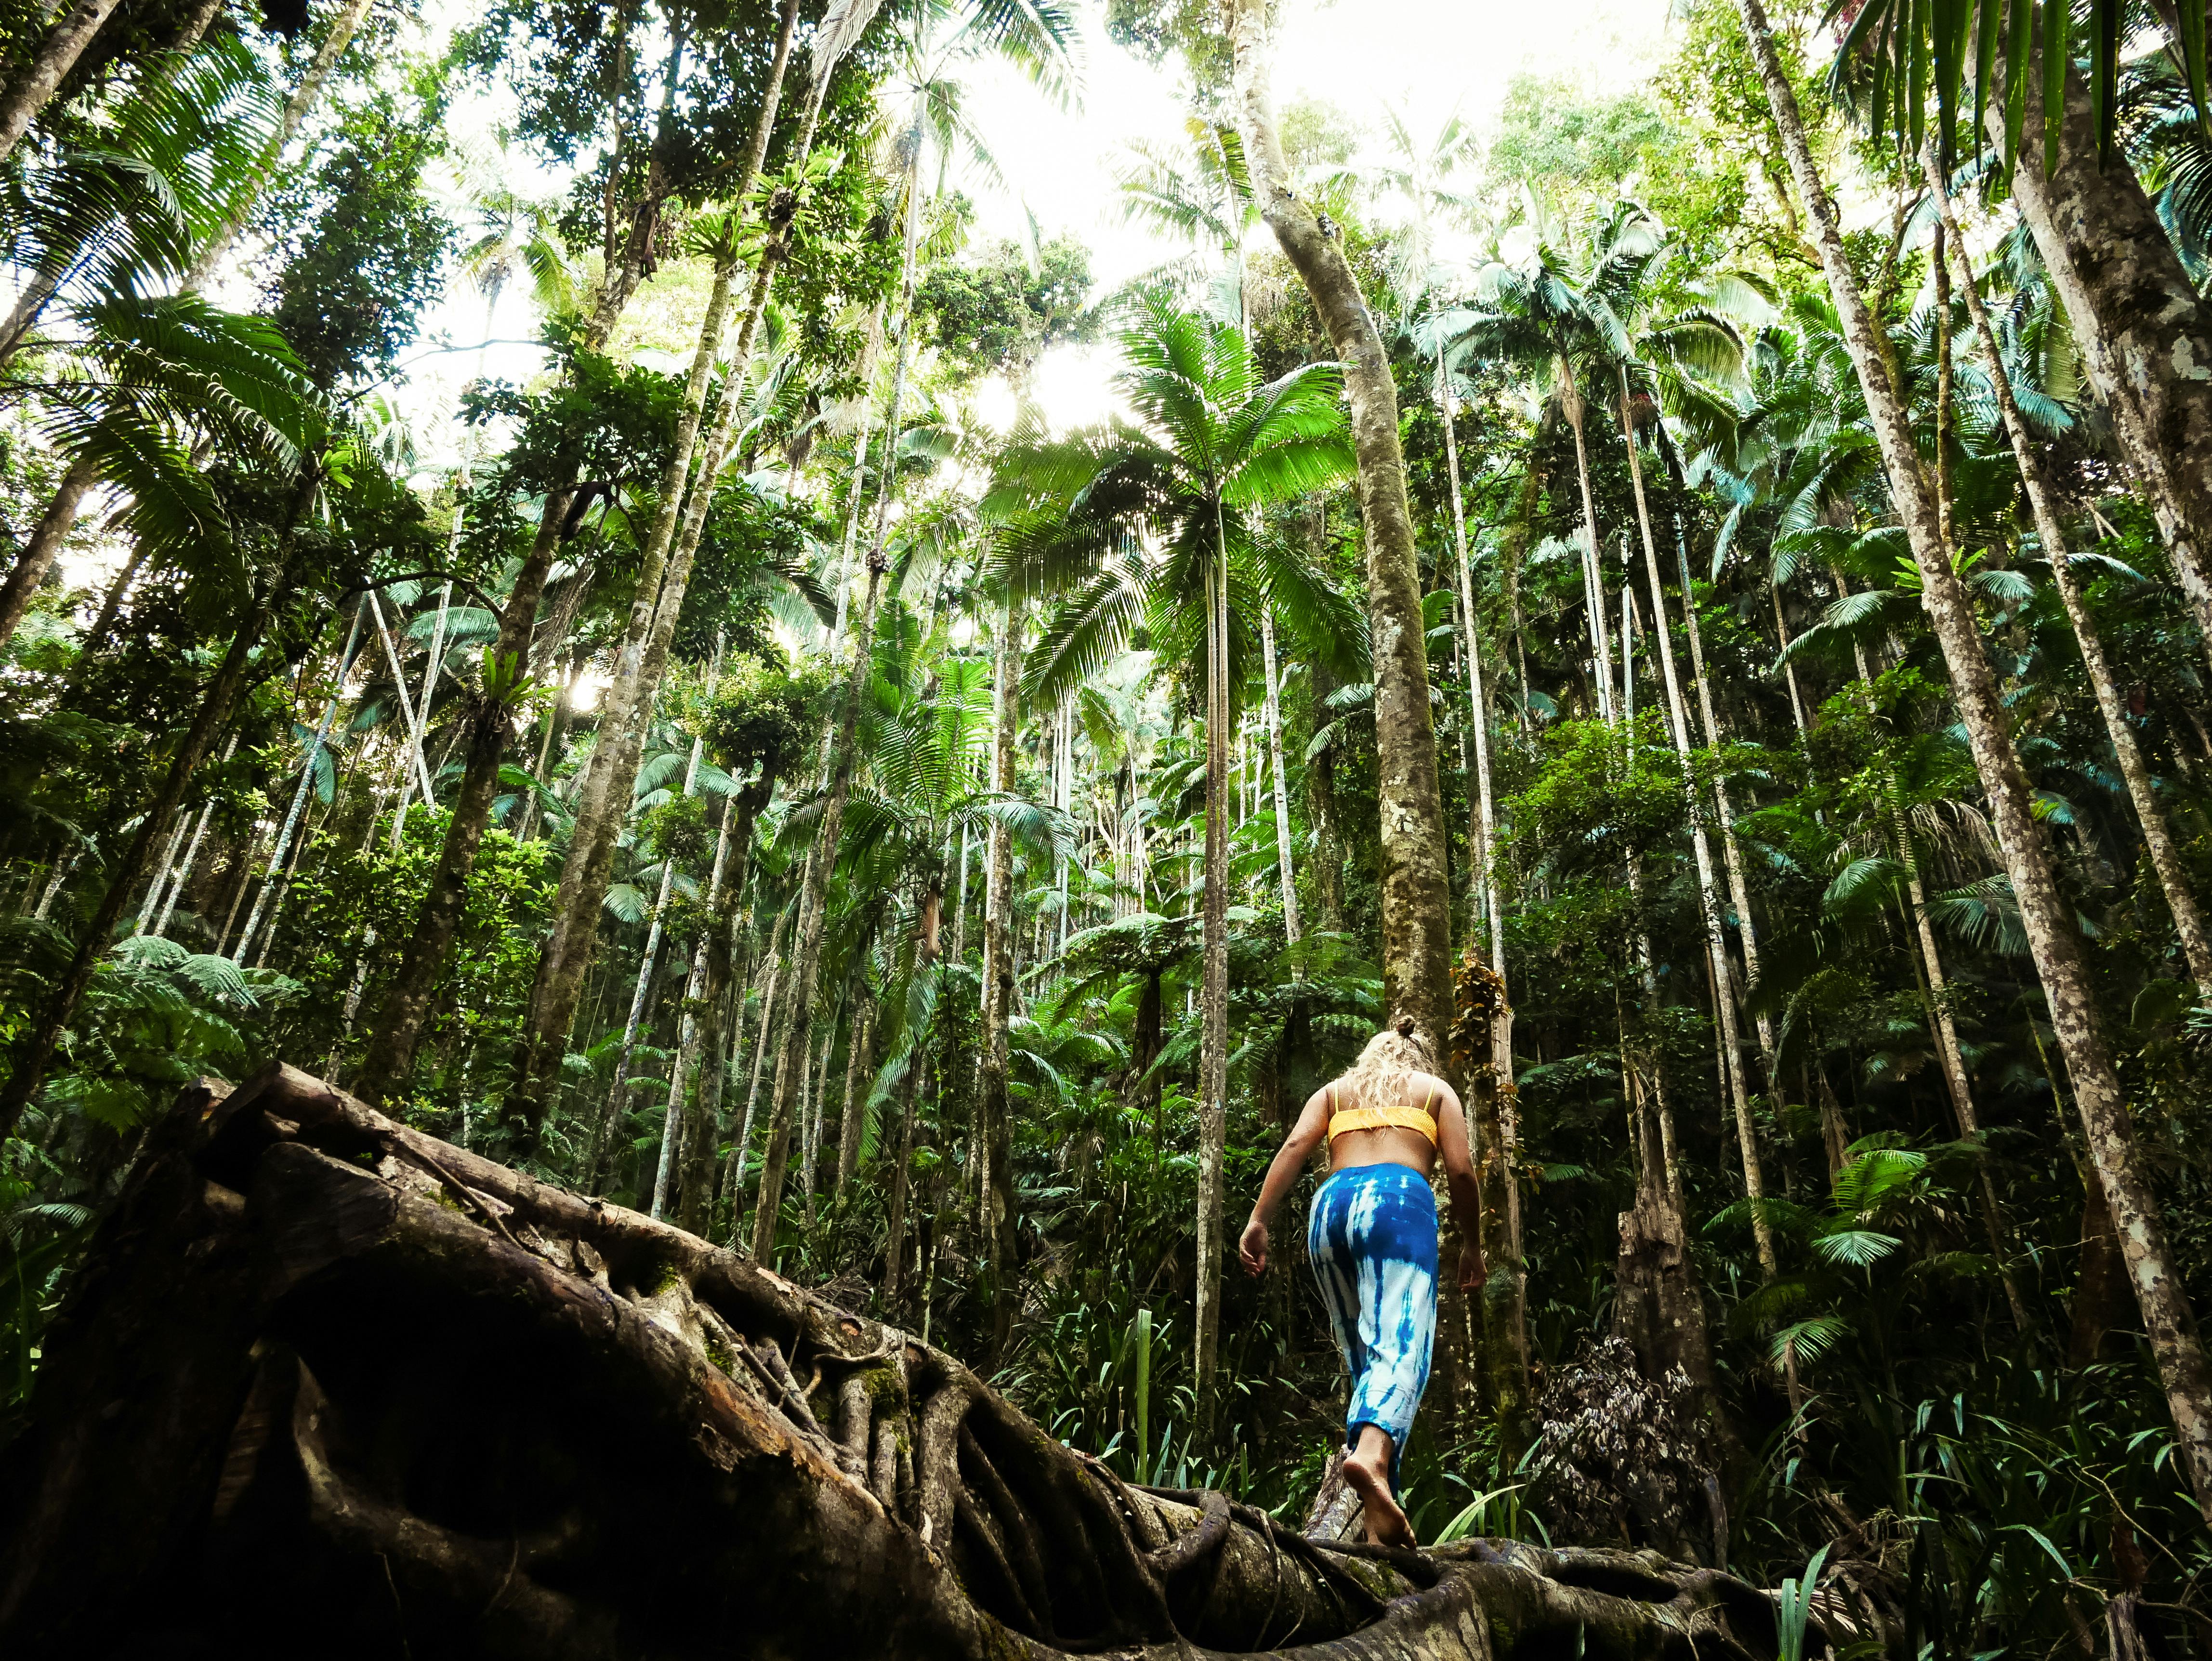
pixel 1373 1241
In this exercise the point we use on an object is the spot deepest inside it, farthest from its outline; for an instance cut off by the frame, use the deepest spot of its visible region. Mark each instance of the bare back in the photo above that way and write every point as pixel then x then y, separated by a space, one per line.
pixel 1391 1144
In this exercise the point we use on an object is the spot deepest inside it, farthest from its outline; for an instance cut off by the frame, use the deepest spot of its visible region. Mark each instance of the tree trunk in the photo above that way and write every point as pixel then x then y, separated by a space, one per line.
pixel 486 726
pixel 852 1118
pixel 1416 891
pixel 700 1067
pixel 1709 908
pixel 44 545
pixel 993 1118
pixel 806 952
pixel 733 1175
pixel 2169 1319
pixel 2165 853
pixel 1571 400
pixel 56 56
pixel 322 1388
pixel 1213 1048
pixel 806 960
pixel 2143 332
pixel 1658 1309
pixel 603 804
pixel 693 1030
pixel 1291 931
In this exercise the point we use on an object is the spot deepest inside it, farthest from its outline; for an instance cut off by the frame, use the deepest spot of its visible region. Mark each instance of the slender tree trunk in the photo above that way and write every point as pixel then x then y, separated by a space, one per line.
pixel 733 1176
pixel 1731 854
pixel 814 905
pixel 994 1118
pixel 1291 931
pixel 603 803
pixel 1213 1051
pixel 2158 836
pixel 1709 908
pixel 806 952
pixel 1416 889
pixel 487 725
pixel 56 56
pixel 45 544
pixel 696 1069
pixel 1571 400
pixel 901 1178
pixel 850 1121
pixel 1495 1099
pixel 2144 331
pixel 2169 1319
pixel 689 1024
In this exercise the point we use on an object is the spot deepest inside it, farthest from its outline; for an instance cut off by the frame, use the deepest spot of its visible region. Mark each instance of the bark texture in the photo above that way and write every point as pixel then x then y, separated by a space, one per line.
pixel 2165 853
pixel 2143 332
pixel 1416 892
pixel 56 56
pixel 2169 1319
pixel 44 545
pixel 326 1377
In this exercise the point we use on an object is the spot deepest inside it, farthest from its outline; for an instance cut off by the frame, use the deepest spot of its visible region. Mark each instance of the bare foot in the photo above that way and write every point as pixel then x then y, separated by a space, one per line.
pixel 1386 1522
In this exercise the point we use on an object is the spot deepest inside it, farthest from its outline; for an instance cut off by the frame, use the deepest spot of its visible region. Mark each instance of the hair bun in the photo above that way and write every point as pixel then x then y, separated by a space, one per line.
pixel 1405 1027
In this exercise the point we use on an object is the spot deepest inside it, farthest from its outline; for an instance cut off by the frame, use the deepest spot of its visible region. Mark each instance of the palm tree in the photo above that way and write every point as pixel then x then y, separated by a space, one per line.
pixel 1212 446
pixel 2169 1317
pixel 1551 310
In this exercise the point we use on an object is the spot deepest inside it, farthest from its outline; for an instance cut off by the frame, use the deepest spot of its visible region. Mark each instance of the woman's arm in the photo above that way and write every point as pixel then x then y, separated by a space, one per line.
pixel 1455 1148
pixel 1305 1135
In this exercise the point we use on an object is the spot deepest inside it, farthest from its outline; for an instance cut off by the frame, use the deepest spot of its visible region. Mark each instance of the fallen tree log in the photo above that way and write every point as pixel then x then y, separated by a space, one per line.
pixel 330 1384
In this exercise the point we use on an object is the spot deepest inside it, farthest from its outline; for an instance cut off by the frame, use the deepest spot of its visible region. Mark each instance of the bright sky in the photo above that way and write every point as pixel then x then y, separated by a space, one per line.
pixel 1430 57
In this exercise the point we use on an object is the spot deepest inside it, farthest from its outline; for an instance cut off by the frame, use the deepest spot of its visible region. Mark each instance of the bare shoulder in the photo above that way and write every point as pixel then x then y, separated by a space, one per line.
pixel 1439 1091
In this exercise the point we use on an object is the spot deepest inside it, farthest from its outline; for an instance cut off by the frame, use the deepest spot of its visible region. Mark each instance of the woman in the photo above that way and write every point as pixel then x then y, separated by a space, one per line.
pixel 1373 1239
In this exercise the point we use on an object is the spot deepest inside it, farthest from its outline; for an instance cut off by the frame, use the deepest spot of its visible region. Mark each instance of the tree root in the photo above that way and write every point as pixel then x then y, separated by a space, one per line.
pixel 326 1379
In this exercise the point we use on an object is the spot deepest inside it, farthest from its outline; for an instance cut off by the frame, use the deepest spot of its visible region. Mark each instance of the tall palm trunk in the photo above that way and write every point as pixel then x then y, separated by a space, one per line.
pixel 849 1120
pixel 1498 1127
pixel 1214 1049
pixel 1572 404
pixel 1416 888
pixel 1709 907
pixel 2144 332
pixel 2169 1319
pixel 603 802
pixel 2165 853
pixel 993 1120
pixel 1731 853
pixel 733 1174
pixel 806 961
pixel 1291 929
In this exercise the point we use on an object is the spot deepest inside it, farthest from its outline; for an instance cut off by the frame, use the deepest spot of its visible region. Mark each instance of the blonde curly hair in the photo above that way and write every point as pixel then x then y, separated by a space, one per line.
pixel 1383 1076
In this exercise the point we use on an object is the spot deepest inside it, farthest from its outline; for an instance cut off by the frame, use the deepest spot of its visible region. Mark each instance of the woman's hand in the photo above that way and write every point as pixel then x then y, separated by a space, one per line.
pixel 1252 1247
pixel 1473 1271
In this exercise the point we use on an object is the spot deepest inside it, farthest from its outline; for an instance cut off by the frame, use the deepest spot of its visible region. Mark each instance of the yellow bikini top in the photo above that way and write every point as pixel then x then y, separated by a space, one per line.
pixel 1376 1118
